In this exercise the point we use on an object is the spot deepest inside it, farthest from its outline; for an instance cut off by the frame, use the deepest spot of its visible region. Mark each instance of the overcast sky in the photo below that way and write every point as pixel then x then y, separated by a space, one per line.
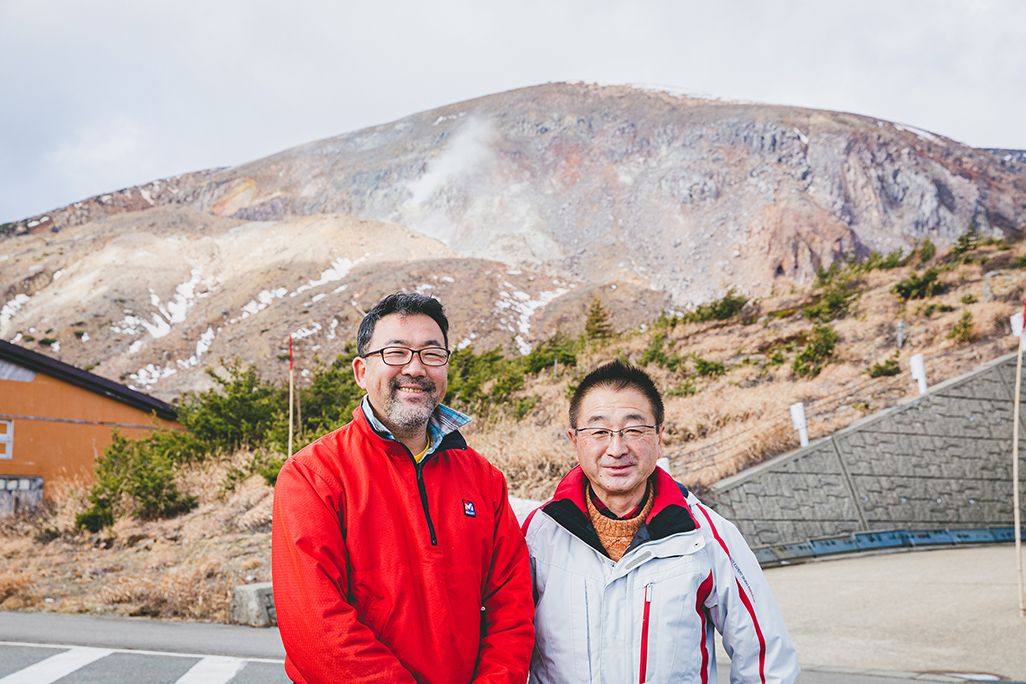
pixel 99 95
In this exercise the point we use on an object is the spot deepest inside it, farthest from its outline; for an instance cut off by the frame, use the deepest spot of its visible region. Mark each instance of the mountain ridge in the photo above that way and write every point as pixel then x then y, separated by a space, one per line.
pixel 523 205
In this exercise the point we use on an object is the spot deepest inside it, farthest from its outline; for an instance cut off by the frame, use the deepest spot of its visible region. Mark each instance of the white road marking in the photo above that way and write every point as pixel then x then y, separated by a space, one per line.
pixel 55 667
pixel 173 654
pixel 212 670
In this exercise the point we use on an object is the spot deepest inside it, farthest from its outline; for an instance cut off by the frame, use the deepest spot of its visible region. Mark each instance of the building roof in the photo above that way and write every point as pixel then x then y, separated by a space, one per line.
pixel 84 379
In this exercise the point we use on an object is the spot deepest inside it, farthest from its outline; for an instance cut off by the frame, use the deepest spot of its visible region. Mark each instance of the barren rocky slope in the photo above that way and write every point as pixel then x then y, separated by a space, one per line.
pixel 515 208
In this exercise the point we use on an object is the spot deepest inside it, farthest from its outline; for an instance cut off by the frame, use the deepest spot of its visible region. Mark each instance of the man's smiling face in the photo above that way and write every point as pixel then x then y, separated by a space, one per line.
pixel 618 468
pixel 403 397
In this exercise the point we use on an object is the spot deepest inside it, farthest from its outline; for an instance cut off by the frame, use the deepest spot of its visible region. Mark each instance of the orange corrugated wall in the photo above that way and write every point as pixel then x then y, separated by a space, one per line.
pixel 48 443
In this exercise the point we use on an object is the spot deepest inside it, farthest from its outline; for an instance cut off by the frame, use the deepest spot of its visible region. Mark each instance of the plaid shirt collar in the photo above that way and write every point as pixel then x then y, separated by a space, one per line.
pixel 444 421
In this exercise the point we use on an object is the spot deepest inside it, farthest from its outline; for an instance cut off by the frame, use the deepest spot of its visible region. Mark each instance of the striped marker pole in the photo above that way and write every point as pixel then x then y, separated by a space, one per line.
pixel 1017 323
pixel 292 382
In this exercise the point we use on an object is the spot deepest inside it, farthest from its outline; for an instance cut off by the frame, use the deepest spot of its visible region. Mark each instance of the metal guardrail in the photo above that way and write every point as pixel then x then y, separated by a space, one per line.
pixel 796 552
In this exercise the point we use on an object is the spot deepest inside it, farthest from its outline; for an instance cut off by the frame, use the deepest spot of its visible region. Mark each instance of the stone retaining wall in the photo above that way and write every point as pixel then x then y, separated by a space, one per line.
pixel 941 460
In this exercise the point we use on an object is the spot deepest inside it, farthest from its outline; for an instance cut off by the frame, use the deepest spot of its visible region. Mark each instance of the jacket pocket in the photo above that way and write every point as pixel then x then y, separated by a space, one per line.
pixel 672 630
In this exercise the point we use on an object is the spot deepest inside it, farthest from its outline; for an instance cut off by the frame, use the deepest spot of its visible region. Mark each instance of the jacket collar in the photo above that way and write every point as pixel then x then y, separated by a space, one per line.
pixel 670 511
pixel 443 428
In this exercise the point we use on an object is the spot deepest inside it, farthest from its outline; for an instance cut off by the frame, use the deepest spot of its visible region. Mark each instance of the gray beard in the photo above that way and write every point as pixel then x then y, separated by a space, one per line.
pixel 409 418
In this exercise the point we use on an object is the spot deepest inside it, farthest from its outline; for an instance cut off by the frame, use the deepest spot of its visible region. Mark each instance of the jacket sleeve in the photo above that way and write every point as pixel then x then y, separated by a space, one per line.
pixel 321 632
pixel 507 628
pixel 743 609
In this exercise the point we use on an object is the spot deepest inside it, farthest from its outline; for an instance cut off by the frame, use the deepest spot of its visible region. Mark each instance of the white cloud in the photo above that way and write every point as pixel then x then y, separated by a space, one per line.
pixel 122 92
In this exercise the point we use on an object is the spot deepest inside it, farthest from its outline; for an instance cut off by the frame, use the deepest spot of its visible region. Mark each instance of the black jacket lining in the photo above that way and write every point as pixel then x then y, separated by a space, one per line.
pixel 671 520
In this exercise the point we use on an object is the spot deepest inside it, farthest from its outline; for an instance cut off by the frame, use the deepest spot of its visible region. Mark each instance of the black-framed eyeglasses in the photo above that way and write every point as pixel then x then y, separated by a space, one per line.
pixel 630 434
pixel 400 356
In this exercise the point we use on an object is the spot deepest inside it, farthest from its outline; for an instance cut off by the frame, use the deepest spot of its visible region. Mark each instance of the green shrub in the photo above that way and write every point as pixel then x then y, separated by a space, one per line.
pixel 817 351
pixel 783 313
pixel 327 403
pixel 485 383
pixel 933 307
pixel 597 326
pixel 559 350
pixel 240 410
pixel 523 406
pixel 969 299
pixel 918 286
pixel 137 477
pixel 962 332
pixel 967 242
pixel 96 517
pixel 926 251
pixel 655 354
pixel 891 260
pixel 666 321
pixel 835 302
pixel 478 382
pixel 686 388
pixel 825 276
pixel 722 309
pixel 706 368
pixel 1020 262
pixel 885 368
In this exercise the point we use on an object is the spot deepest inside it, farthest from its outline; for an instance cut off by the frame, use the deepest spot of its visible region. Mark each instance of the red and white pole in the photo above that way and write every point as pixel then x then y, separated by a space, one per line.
pixel 292 383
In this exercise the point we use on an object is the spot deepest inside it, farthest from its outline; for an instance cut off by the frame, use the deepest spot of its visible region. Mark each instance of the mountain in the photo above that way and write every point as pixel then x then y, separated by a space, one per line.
pixel 515 209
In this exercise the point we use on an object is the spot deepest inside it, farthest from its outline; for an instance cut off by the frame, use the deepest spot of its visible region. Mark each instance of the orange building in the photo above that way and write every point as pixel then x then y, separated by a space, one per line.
pixel 56 419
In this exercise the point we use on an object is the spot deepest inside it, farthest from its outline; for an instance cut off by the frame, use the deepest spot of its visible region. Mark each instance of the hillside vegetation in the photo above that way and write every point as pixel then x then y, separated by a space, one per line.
pixel 174 521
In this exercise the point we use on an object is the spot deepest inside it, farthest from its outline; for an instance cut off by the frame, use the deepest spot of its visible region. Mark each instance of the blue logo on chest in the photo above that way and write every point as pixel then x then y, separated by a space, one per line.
pixel 468 509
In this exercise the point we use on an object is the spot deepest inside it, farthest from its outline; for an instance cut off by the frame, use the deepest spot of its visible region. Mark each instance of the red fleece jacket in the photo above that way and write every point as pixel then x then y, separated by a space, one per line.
pixel 386 571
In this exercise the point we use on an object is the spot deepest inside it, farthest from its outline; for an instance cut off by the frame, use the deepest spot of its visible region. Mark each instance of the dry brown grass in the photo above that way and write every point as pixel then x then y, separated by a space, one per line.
pixel 186 567
pixel 16 590
pixel 193 592
pixel 533 458
pixel 183 568
pixel 742 417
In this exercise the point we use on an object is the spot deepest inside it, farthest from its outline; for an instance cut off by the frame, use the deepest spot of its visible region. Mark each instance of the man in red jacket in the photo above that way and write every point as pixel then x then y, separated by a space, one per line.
pixel 396 556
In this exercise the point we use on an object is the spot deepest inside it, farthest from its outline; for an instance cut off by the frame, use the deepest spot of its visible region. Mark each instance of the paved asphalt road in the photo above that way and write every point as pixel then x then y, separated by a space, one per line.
pixel 37 648
pixel 883 619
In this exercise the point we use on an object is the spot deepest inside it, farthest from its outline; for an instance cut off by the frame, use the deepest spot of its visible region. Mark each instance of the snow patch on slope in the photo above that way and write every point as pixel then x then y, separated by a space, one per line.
pixel 150 375
pixel 9 309
pixel 523 307
pixel 202 347
pixel 262 301
pixel 337 271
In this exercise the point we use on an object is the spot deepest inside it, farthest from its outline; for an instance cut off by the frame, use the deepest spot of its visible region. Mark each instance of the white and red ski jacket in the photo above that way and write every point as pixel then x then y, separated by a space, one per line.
pixel 649 617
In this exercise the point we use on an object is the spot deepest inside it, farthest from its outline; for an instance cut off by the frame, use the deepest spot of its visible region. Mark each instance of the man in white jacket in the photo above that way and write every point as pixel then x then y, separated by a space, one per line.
pixel 631 571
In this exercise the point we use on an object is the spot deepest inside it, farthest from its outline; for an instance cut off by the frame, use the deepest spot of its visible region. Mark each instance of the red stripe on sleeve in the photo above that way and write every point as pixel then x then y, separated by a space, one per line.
pixel 744 598
pixel 703 593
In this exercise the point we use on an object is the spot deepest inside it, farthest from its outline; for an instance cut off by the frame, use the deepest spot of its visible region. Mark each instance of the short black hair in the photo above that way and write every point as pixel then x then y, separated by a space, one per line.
pixel 404 304
pixel 617 375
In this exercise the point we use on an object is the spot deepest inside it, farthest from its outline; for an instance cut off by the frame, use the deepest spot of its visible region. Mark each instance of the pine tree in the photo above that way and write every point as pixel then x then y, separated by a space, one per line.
pixel 597 325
